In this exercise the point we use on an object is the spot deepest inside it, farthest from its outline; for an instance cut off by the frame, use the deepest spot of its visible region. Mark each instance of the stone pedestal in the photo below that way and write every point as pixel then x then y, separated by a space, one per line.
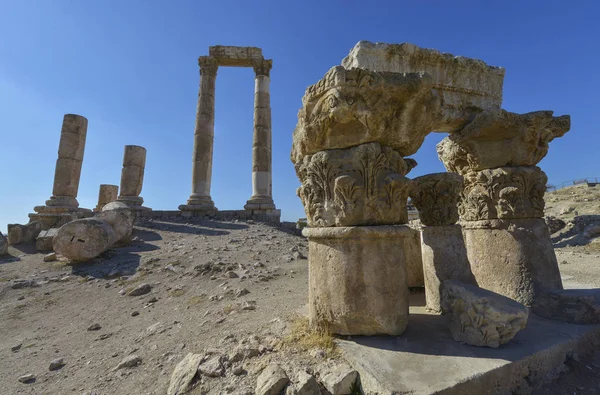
pixel 106 194
pixel 132 177
pixel 204 132
pixel 512 257
pixel 261 199
pixel 444 258
pixel 62 205
pixel 357 279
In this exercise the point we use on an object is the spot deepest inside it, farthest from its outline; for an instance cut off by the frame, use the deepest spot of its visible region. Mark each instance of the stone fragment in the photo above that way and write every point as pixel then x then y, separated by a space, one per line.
pixel 357 282
pixel 480 317
pixel 498 138
pixel 84 239
pixel 16 347
pixel 307 384
pixel 362 185
pixel 27 378
pixel 3 245
pixel 18 233
pixel 231 274
pixel 141 289
pixel 44 240
pixel 271 381
pixel 120 217
pixel 576 306
pixel 466 86
pixel 184 375
pixel 94 327
pixel 212 367
pixel 340 380
pixel 19 284
pixel 130 361
pixel 56 364
pixel 50 257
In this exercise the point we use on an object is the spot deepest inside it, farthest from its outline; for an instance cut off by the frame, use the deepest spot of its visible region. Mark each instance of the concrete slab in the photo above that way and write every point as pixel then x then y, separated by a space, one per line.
pixel 425 359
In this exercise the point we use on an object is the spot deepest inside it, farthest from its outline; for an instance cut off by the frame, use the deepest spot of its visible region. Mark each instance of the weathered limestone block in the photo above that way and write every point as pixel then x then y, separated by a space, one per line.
pixel 106 194
pixel 480 317
pixel 235 56
pixel 357 106
pixel 120 217
pixel 363 185
pixel 465 85
pixel 44 240
pixel 503 193
pixel 182 379
pixel 576 306
pixel 414 261
pixel 514 258
pixel 444 258
pixel 3 245
pixel 357 279
pixel 84 239
pixel 498 138
pixel 132 177
pixel 18 233
pixel 436 197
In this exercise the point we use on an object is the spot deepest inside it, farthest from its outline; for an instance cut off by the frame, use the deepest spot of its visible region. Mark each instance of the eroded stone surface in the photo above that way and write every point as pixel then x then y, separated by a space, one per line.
pixel 43 241
pixel 132 176
pixel 120 217
pixel 363 185
pixel 480 317
pixel 357 281
pixel 499 138
pixel 106 194
pixel 271 381
pixel 83 239
pixel 18 233
pixel 184 374
pixel 357 106
pixel 576 306
pixel 3 245
pixel 340 380
pixel 436 197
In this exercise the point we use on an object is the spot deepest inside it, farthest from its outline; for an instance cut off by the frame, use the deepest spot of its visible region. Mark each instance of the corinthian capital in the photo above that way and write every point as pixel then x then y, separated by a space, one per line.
pixel 263 67
pixel 208 65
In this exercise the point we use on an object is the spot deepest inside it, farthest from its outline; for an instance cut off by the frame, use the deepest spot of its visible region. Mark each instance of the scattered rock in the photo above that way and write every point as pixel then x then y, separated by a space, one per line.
pixel 94 327
pixel 231 274
pixel 271 381
pixel 56 364
pixel 307 385
pixel 554 224
pixel 19 284
pixel 16 347
pixel 340 380
pixel 185 374
pixel 576 306
pixel 135 313
pixel 27 378
pixel 298 255
pixel 241 292
pixel 141 289
pixel 130 361
pixel 212 367
pixel 50 257
pixel 481 317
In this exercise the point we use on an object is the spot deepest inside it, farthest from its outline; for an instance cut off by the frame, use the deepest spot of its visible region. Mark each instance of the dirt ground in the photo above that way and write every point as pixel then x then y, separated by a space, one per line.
pixel 214 287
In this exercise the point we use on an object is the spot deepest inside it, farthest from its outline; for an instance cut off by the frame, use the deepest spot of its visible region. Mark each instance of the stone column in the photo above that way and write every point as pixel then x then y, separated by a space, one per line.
pixel 106 194
pixel 132 177
pixel 261 198
pixel 200 199
pixel 442 246
pixel 68 164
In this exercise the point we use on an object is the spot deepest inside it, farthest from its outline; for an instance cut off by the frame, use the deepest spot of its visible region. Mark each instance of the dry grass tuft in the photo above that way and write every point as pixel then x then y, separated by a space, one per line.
pixel 304 337
pixel 175 293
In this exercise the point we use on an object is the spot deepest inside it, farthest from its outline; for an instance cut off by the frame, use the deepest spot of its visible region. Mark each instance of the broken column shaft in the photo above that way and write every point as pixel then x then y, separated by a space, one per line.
pixel 132 177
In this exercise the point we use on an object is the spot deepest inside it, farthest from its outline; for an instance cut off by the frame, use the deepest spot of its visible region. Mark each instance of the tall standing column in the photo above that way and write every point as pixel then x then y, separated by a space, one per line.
pixel 68 164
pixel 200 199
pixel 261 198
pixel 106 194
pixel 132 177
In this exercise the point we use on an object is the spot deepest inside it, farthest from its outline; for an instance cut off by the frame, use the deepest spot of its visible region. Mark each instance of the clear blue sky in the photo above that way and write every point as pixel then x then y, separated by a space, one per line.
pixel 130 67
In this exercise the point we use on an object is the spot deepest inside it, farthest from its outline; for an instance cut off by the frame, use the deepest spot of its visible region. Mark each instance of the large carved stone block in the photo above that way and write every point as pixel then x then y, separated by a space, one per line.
pixel 503 193
pixel 363 185
pixel 357 106
pixel 357 279
pixel 499 138
pixel 436 197
pixel 466 85
pixel 514 258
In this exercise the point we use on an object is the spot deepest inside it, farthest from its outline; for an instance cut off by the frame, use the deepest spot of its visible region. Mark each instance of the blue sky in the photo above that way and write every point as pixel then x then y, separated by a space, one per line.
pixel 130 67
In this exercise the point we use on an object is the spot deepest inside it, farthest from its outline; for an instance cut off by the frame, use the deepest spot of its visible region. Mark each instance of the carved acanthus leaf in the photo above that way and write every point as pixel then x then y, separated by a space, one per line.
pixel 436 197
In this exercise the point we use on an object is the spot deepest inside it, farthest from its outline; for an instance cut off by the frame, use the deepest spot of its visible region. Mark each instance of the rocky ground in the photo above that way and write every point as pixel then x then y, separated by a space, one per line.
pixel 232 294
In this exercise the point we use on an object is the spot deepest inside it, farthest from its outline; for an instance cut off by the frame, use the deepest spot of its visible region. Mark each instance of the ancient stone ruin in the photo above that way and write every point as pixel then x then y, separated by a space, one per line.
pixel 132 177
pixel 355 130
pixel 106 194
pixel 261 201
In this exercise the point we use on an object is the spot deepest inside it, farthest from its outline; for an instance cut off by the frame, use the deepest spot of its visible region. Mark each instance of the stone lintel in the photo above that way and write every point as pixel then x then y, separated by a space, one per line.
pixel 235 56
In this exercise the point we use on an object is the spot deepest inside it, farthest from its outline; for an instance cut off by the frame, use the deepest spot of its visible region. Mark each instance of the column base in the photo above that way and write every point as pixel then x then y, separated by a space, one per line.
pixel 357 279
pixel 133 202
pixel 199 204
pixel 62 201
pixel 260 202
pixel 512 257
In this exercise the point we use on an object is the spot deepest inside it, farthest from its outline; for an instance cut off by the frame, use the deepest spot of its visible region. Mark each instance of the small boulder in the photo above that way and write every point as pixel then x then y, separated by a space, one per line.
pixel 130 361
pixel 50 257
pixel 576 306
pixel 481 317
pixel 56 364
pixel 184 375
pixel 141 289
pixel 43 241
pixel 307 384
pixel 27 378
pixel 271 381
pixel 94 327
pixel 212 367
pixel 340 380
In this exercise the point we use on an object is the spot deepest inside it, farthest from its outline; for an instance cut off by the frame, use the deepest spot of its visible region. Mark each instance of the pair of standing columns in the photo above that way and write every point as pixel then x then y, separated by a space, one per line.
pixel 261 199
